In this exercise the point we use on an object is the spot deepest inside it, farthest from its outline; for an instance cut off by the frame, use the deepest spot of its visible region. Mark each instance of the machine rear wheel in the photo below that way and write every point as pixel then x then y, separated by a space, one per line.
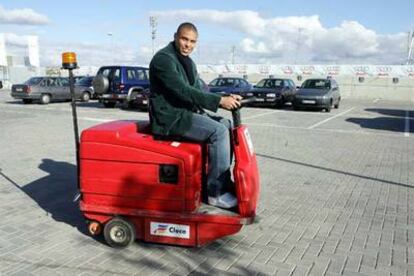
pixel 119 232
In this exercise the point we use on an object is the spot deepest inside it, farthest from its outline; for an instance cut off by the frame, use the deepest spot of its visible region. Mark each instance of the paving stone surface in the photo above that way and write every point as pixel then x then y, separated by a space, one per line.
pixel 337 196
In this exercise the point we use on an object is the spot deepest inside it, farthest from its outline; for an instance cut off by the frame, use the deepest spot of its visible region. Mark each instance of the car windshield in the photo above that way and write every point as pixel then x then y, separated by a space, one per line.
pixel 270 83
pixel 316 84
pixel 33 81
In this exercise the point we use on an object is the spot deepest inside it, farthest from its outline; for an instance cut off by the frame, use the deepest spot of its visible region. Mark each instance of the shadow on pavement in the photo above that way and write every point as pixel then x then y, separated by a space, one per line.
pixel 382 123
pixel 388 112
pixel 54 193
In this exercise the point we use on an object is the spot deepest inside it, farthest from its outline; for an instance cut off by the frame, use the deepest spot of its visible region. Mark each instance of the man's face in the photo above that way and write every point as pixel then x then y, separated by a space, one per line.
pixel 185 41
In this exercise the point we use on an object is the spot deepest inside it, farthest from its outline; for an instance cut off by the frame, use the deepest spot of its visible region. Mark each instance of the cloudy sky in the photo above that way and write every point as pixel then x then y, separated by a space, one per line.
pixel 272 32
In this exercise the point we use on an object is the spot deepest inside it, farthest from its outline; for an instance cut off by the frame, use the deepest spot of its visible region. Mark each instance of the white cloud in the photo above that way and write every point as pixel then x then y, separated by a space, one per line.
pixel 254 25
pixel 22 17
pixel 250 46
pixel 301 39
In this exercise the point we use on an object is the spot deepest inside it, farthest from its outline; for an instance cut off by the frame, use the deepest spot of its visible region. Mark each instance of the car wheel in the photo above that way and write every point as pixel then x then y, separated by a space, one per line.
pixel 280 103
pixel 109 104
pixel 130 104
pixel 119 232
pixel 85 97
pixel 27 101
pixel 337 104
pixel 328 107
pixel 45 99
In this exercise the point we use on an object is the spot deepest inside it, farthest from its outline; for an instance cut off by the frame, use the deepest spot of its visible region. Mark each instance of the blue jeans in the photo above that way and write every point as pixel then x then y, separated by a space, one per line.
pixel 215 131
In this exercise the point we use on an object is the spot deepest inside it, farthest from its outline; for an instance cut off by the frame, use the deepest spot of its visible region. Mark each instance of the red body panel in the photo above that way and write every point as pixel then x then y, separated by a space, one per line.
pixel 245 172
pixel 119 167
pixel 119 176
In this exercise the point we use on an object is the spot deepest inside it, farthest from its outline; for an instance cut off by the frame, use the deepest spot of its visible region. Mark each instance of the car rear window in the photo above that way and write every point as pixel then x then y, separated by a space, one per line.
pixel 33 81
pixel 104 71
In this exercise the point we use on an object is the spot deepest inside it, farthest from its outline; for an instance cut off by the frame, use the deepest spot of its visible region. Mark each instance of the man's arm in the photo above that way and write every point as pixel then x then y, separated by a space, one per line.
pixel 230 102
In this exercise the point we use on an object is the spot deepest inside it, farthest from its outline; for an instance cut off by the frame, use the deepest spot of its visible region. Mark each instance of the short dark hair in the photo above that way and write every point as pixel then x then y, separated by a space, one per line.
pixel 187 25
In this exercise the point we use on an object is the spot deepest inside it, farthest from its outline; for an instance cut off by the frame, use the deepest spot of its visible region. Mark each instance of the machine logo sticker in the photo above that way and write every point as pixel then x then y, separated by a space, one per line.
pixel 160 229
pixel 170 230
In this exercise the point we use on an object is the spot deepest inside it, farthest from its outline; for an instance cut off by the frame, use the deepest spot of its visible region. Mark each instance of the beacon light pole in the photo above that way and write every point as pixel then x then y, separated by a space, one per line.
pixel 69 62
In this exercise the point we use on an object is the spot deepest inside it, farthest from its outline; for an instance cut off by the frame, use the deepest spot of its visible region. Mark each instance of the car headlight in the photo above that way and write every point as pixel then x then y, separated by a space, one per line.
pixel 271 95
pixel 249 94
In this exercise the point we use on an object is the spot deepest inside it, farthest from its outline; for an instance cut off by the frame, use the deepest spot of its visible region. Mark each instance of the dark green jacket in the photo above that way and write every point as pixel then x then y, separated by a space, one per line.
pixel 173 100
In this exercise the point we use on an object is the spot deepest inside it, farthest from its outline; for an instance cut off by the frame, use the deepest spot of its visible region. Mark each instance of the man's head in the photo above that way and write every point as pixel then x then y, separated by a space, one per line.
pixel 185 38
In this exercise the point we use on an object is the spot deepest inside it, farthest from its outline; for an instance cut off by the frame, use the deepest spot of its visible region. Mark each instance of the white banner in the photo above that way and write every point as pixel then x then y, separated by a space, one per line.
pixel 3 56
pixel 307 71
pixel 33 46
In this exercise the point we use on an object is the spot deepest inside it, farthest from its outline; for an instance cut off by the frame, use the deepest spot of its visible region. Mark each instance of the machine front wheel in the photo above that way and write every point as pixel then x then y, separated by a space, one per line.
pixel 119 232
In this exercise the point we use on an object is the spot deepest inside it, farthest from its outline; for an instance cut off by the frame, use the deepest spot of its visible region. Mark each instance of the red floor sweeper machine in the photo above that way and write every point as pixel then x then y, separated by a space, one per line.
pixel 133 186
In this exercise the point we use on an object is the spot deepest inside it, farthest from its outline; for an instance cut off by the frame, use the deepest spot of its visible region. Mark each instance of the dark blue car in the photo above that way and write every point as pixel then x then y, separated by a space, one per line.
pixel 228 85
pixel 272 92
pixel 142 99
pixel 120 84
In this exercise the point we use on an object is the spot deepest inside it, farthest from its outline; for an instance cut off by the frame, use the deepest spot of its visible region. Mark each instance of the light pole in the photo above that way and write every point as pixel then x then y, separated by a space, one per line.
pixel 153 24
pixel 410 47
pixel 111 45
pixel 298 44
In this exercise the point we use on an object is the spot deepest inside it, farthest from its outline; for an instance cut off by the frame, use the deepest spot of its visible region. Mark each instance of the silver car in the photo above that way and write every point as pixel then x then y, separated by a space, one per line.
pixel 83 86
pixel 45 90
pixel 318 94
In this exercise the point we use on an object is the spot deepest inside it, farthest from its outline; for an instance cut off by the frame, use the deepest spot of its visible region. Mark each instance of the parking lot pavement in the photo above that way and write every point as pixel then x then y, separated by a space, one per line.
pixel 336 199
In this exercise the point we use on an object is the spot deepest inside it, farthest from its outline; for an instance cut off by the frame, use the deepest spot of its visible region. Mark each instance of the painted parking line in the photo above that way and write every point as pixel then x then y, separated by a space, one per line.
pixel 263 114
pixel 407 124
pixel 330 118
